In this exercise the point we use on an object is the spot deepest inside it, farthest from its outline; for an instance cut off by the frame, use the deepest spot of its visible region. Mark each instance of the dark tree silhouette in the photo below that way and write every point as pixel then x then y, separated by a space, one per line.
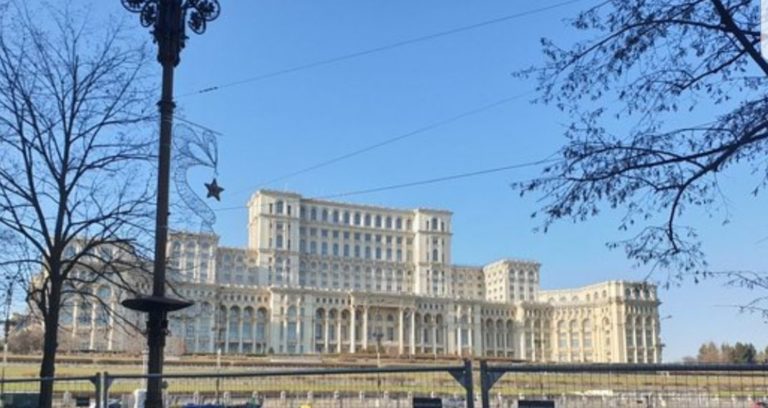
pixel 636 87
pixel 74 169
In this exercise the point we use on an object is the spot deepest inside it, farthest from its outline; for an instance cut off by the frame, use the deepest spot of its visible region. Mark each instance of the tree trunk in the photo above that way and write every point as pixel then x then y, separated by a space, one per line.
pixel 50 344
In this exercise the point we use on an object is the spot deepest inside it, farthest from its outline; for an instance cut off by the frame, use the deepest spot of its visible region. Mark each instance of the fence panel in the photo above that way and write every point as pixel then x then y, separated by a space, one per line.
pixel 386 387
pixel 67 391
pixel 624 385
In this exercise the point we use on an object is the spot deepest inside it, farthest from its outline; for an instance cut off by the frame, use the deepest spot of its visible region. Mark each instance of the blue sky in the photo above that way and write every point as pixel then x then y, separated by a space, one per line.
pixel 281 124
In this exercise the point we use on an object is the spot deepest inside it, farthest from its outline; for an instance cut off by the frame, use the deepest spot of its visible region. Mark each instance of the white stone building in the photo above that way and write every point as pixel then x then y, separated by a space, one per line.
pixel 329 277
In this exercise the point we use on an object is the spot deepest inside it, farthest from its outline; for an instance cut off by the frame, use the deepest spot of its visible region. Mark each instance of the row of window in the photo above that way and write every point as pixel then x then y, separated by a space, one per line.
pixel 354 218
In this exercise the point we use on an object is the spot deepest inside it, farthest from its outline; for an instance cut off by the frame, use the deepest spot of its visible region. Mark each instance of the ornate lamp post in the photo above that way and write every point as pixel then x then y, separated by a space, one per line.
pixel 168 19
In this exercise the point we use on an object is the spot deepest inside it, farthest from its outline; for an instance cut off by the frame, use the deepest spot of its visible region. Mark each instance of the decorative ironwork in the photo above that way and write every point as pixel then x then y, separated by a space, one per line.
pixel 147 10
pixel 201 12
pixel 194 148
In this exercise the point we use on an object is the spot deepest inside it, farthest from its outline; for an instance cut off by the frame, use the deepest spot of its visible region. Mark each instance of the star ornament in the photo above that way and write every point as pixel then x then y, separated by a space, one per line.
pixel 214 190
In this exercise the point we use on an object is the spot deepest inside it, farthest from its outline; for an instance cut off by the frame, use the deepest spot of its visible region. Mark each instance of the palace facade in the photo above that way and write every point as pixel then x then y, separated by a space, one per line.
pixel 329 277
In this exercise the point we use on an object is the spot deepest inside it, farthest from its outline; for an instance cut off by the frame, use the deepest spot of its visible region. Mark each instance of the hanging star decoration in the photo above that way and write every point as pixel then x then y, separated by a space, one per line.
pixel 214 190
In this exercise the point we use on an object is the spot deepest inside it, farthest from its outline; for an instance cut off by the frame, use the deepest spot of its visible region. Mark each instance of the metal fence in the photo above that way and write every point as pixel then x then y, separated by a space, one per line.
pixel 352 387
pixel 623 385
pixel 67 391
pixel 355 387
pixel 500 386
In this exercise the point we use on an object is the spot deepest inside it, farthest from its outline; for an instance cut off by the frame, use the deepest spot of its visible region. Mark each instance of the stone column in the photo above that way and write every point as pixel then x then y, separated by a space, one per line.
pixel 476 322
pixel 656 348
pixel 239 331
pixel 471 334
pixel 459 344
pixel 326 330
pixel 504 335
pixel 285 333
pixel 92 341
pixel 111 329
pixel 299 338
pixel 338 333
pixel 401 332
pixel 634 338
pixel 412 348
pixel 365 328
pixel 226 330
pixel 434 338
pixel 352 328
pixel 449 334
pixel 645 342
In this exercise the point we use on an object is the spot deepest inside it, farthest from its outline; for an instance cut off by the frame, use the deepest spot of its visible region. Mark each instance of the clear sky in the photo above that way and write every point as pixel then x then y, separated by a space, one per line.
pixel 284 123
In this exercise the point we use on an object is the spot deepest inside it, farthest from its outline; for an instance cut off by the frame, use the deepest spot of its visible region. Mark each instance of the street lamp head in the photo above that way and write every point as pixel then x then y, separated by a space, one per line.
pixel 169 18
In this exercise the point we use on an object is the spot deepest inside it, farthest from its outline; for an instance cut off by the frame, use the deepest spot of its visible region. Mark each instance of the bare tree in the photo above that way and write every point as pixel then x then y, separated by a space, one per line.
pixel 637 89
pixel 74 168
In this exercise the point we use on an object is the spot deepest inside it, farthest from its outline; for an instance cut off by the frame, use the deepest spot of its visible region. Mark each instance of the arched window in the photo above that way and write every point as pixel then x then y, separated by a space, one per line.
pixel 206 324
pixel 586 329
pixel 261 324
pixel 84 313
pixel 434 224
pixel 292 324
pixel 247 324
pixel 562 335
pixel 234 327
pixel 65 318
pixel 574 329
pixel 102 314
pixel 279 207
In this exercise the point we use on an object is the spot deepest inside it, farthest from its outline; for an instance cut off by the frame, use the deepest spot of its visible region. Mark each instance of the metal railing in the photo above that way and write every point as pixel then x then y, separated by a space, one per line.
pixel 67 391
pixel 500 386
pixel 351 387
pixel 623 385
pixel 354 387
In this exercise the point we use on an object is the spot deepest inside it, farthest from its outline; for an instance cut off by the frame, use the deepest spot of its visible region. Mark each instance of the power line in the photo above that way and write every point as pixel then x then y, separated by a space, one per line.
pixel 423 129
pixel 365 149
pixel 435 180
pixel 378 49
